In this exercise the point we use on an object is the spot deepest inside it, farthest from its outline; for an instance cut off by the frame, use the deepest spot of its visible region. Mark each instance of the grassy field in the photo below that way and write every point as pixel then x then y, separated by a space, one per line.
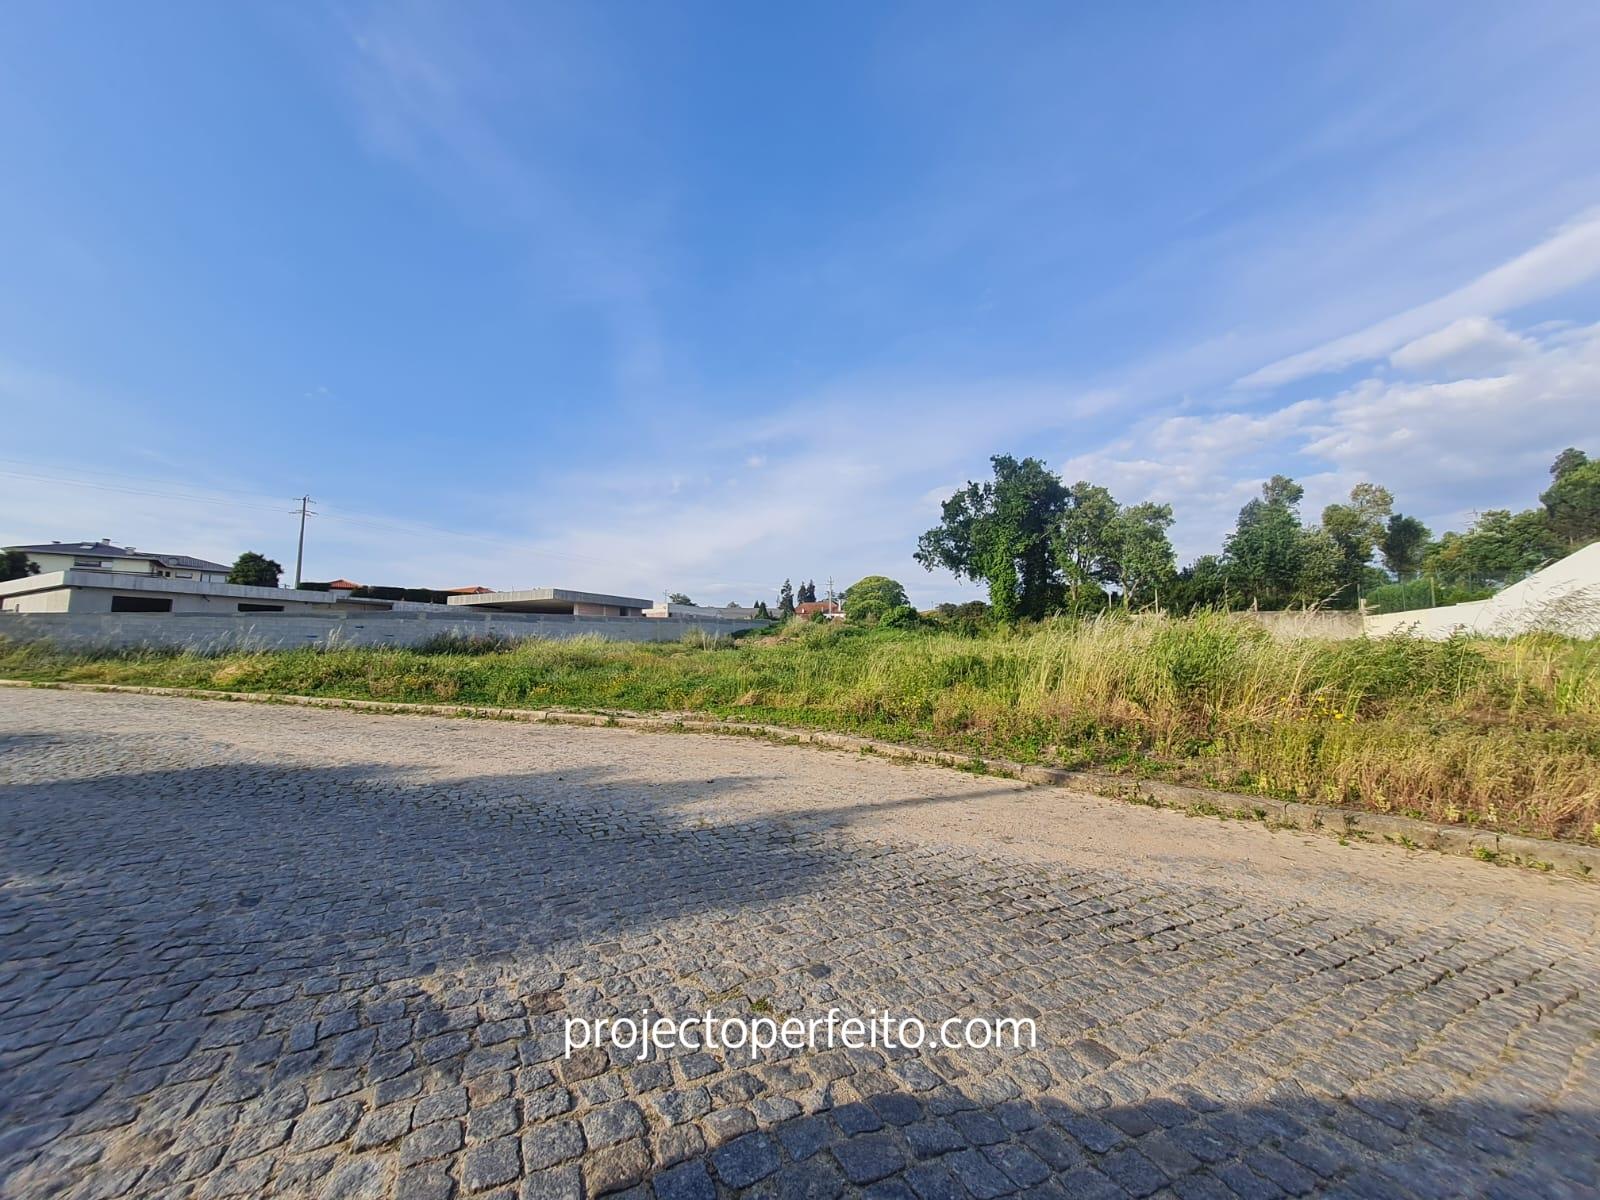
pixel 1497 734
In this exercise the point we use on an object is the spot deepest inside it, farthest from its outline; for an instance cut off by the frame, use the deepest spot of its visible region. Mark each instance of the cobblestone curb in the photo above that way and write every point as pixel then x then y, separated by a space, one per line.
pixel 1582 862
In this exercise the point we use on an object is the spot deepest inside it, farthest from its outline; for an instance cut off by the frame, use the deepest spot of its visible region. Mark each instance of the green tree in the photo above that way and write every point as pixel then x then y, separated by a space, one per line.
pixel 1404 540
pixel 1202 584
pixel 1572 501
pixel 255 570
pixel 678 598
pixel 785 600
pixel 1567 460
pixel 1264 551
pixel 999 532
pixel 14 564
pixel 1322 569
pixel 1139 553
pixel 1357 529
pixel 1499 548
pixel 1080 541
pixel 872 597
pixel 763 611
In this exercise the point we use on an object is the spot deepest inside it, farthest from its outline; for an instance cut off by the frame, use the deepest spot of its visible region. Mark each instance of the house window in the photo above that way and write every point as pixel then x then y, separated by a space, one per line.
pixel 127 604
pixel 260 608
pixel 88 562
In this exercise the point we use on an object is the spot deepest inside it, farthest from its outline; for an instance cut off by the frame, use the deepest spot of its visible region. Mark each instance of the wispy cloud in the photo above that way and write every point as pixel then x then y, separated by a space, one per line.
pixel 431 91
pixel 1569 257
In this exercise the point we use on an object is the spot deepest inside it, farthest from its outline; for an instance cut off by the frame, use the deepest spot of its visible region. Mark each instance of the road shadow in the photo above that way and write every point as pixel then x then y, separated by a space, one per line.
pixel 219 978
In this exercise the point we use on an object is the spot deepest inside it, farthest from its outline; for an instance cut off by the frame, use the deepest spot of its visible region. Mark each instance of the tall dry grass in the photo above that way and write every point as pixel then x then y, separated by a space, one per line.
pixel 1503 734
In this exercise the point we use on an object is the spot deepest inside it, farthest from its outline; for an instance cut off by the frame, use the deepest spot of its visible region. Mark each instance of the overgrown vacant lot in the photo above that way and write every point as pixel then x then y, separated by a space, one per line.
pixel 1500 734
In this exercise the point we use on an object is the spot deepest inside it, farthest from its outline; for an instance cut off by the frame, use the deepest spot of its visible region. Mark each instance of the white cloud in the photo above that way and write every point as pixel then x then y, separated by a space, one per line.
pixel 1471 344
pixel 1445 446
pixel 1569 257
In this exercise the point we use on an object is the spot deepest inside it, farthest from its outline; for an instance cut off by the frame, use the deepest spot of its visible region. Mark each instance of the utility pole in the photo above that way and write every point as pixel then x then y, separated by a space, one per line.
pixel 300 551
pixel 830 589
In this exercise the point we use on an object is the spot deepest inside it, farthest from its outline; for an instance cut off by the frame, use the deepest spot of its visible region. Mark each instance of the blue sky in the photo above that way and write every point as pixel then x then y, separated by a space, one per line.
pixel 701 296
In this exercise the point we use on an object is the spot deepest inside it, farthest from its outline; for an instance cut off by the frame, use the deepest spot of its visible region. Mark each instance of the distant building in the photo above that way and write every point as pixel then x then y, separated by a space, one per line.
pixel 98 590
pixel 823 608
pixel 553 600
pixel 103 556
pixel 728 612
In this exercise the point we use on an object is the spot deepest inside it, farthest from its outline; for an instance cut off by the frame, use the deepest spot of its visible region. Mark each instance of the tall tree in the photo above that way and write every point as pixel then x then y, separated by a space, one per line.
pixel 1356 528
pixel 1139 553
pixel 1265 549
pixel 255 570
pixel 1404 540
pixel 999 532
pixel 1572 501
pixel 786 600
pixel 1567 460
pixel 678 598
pixel 1080 541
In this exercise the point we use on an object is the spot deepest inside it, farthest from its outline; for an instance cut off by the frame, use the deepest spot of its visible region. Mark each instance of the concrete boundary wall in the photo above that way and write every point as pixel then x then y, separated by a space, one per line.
pixel 1434 624
pixel 207 633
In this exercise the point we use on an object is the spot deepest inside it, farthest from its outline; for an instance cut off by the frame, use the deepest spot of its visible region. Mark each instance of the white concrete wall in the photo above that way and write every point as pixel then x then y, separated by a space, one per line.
pixel 1436 624
pixel 1563 598
pixel 59 600
pixel 273 631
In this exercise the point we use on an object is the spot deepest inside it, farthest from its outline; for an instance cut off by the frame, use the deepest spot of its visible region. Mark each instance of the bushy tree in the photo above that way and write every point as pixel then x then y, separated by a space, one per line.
pixel 1572 501
pixel 1321 569
pixel 255 570
pixel 763 611
pixel 1264 552
pixel 1356 529
pixel 999 532
pixel 678 598
pixel 1081 543
pixel 786 600
pixel 1500 547
pixel 1404 540
pixel 1138 552
pixel 902 616
pixel 1202 584
pixel 14 564
pixel 872 597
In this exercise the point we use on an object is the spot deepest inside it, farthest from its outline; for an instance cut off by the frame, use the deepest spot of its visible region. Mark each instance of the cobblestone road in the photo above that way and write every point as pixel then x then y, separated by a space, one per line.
pixel 248 950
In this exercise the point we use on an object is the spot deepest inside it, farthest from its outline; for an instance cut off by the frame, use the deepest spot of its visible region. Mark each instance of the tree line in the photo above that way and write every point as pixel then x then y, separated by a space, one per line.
pixel 1042 546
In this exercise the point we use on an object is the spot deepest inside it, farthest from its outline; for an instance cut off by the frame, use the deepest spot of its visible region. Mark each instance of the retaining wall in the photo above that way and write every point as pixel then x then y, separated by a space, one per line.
pixel 1300 623
pixel 272 631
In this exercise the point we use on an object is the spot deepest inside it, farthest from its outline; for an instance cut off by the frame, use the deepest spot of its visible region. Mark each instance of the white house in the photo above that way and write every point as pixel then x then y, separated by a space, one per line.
pixel 103 556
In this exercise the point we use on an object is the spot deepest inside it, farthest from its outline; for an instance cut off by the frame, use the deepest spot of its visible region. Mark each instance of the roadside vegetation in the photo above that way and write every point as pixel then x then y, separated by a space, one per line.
pixel 1497 734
